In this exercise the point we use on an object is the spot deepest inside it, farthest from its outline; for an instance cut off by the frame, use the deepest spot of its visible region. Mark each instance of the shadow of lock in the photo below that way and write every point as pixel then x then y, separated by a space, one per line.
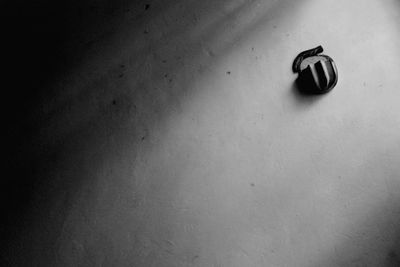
pixel 317 73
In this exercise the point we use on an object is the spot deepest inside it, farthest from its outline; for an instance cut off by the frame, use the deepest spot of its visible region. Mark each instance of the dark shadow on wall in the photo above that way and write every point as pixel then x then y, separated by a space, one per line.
pixel 373 236
pixel 42 40
pixel 59 129
pixel 375 242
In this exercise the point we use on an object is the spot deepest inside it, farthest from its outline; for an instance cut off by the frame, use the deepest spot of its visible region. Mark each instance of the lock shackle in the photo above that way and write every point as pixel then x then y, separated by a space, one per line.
pixel 308 53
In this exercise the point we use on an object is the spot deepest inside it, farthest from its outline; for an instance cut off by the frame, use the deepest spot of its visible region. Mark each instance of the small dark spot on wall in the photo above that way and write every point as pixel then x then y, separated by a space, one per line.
pixel 143 137
pixel 114 102
pixel 146 7
pixel 252 49
pixel 228 72
pixel 121 75
pixel 145 31
pixel 195 257
pixel 122 66
pixel 164 61
pixel 89 43
pixel 166 75
pixel 252 184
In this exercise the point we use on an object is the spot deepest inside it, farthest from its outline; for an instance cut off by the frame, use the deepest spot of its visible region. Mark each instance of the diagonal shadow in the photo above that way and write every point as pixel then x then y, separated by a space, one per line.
pixel 67 123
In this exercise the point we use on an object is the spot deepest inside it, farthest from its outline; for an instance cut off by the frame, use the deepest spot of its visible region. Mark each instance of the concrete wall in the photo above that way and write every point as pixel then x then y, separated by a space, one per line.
pixel 171 134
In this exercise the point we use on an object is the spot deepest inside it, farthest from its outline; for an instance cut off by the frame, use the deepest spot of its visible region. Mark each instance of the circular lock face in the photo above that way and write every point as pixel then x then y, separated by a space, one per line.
pixel 317 73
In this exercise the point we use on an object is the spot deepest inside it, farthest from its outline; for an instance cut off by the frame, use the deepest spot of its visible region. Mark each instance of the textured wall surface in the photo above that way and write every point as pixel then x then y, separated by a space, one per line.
pixel 172 135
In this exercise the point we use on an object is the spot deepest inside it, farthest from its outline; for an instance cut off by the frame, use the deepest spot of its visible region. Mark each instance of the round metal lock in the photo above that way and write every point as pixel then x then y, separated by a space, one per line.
pixel 317 73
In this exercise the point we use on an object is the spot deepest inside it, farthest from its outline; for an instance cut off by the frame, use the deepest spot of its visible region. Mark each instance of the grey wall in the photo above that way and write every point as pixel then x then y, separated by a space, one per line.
pixel 172 135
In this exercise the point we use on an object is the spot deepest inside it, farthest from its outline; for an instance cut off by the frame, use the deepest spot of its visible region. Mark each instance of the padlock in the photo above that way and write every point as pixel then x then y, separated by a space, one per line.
pixel 317 73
